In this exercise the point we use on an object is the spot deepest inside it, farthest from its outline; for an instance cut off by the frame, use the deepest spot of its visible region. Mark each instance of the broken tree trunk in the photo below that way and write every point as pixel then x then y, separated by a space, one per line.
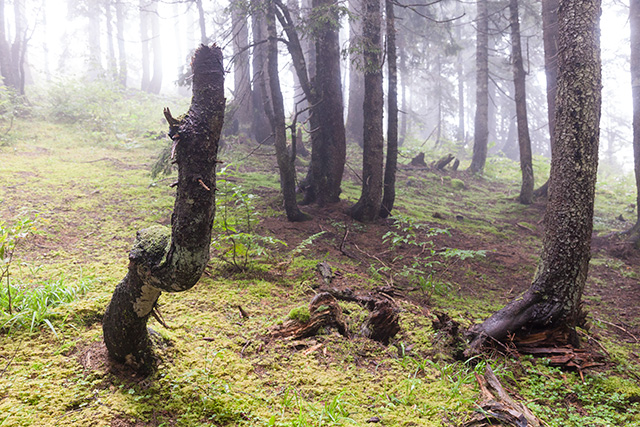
pixel 324 313
pixel 497 407
pixel 173 260
pixel 444 161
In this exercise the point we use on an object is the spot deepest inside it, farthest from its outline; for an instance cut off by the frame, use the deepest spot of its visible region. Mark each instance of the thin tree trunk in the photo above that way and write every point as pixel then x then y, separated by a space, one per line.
pixel 355 119
pixel 275 112
pixel 634 20
pixel 241 71
pixel 144 37
pixel 201 21
pixel 95 50
pixel 524 142
pixel 553 300
pixel 111 60
pixel 404 82
pixel 481 131
pixel 45 44
pixel 260 127
pixel 460 134
pixel 389 193
pixel 173 260
pixel 19 47
pixel 368 206
pixel 550 40
pixel 122 54
pixel 156 46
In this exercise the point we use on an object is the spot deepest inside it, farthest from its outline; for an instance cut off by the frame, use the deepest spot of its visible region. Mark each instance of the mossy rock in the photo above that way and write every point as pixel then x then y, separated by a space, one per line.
pixel 458 184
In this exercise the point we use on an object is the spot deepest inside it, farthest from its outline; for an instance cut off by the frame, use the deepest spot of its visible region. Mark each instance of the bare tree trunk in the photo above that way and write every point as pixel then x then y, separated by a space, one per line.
pixel 481 132
pixel 634 20
pixel 389 193
pixel 368 206
pixel 524 142
pixel 328 149
pixel 144 37
pixel 19 47
pixel 122 54
pixel 550 39
pixel 112 68
pixel 95 50
pixel 275 112
pixel 241 71
pixel 553 300
pixel 460 133
pixel 404 82
pixel 260 127
pixel 355 119
pixel 201 21
pixel 173 260
pixel 156 46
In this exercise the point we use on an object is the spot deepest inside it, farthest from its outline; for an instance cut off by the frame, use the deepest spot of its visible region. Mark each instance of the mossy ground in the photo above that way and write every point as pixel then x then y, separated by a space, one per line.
pixel 219 368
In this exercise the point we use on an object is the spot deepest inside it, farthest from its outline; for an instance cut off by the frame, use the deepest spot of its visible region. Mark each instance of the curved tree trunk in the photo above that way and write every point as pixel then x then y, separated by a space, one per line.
pixel 524 142
pixel 481 132
pixel 389 193
pixel 553 300
pixel 634 20
pixel 173 260
pixel 368 206
pixel 275 113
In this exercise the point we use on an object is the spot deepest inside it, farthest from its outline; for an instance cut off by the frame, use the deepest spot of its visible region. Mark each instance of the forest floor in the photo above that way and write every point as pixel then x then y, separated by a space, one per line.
pixel 456 244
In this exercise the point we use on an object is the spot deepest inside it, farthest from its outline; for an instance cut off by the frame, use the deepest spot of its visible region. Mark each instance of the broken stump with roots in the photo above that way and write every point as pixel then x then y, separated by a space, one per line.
pixel 173 260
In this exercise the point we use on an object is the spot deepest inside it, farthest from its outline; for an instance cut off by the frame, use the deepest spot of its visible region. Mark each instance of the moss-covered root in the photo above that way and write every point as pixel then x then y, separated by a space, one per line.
pixel 173 261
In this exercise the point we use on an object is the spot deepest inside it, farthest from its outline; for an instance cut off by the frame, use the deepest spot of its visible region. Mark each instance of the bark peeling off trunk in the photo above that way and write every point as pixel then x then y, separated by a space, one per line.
pixel 173 260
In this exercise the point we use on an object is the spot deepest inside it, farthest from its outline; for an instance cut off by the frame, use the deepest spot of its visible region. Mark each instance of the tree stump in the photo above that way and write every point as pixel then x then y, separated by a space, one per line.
pixel 418 160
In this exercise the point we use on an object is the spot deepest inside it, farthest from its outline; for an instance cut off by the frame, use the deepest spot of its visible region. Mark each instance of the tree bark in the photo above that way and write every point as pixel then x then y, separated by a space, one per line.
pixel 275 113
pixel 156 46
pixel 634 20
pixel 550 40
pixel 389 188
pixel 260 126
pixel 553 300
pixel 241 71
pixel 519 76
pixel 202 22
pixel 173 260
pixel 111 60
pixel 144 37
pixel 328 144
pixel 122 54
pixel 355 117
pixel 95 50
pixel 481 131
pixel 368 206
pixel 324 179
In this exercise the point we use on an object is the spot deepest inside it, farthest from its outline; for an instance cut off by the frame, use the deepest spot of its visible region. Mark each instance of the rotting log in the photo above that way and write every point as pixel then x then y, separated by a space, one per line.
pixel 173 260
pixel 444 161
pixel 324 313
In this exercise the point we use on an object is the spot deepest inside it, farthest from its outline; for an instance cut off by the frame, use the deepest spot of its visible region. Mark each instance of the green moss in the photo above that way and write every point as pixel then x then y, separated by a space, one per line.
pixel 300 314
pixel 458 184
